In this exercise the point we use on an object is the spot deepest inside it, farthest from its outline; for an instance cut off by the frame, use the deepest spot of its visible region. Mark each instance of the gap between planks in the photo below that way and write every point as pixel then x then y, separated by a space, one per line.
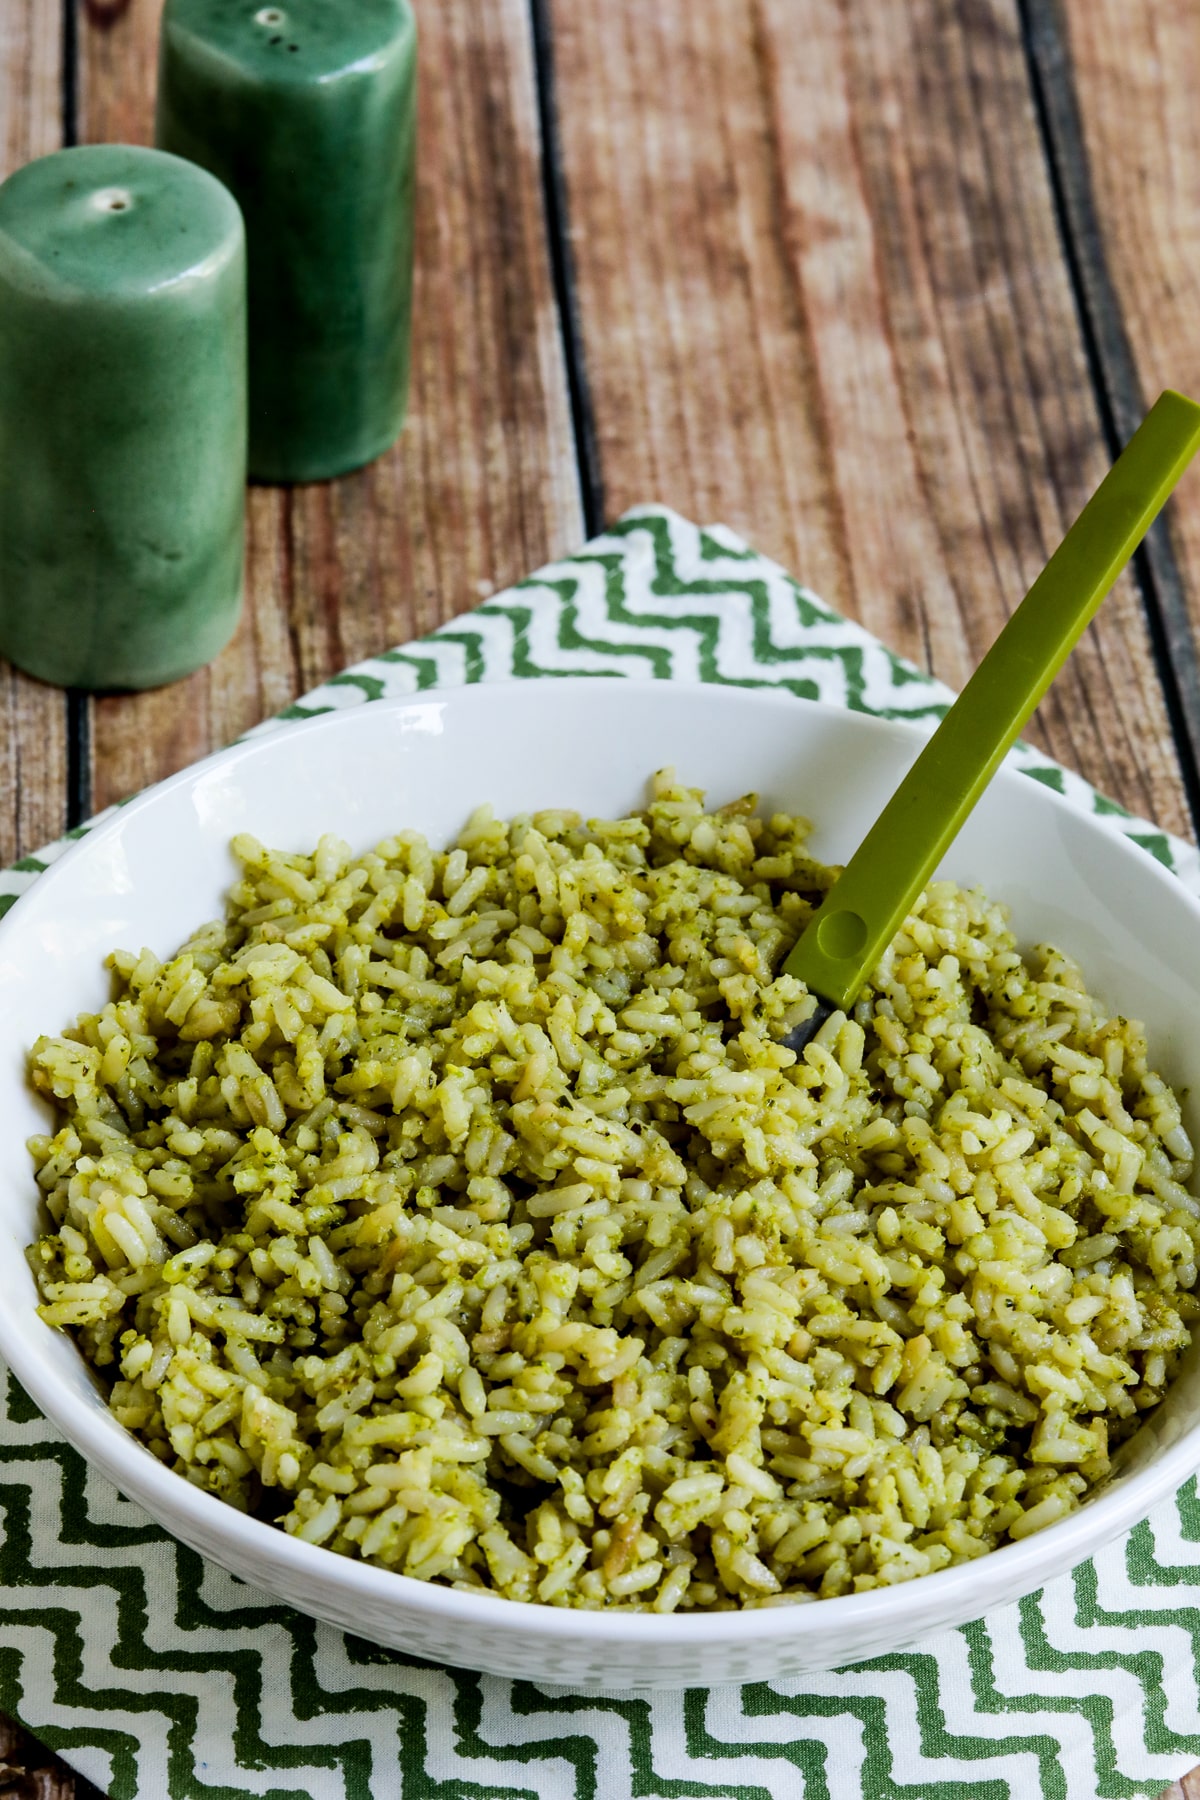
pixel 562 263
pixel 78 705
pixel 1120 397
pixel 33 717
pixel 483 485
pixel 822 297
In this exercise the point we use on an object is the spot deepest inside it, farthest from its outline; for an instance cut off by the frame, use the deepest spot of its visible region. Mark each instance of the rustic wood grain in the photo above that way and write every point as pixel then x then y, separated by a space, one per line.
pixel 823 297
pixel 482 485
pixel 28 1771
pixel 1124 77
pixel 1187 1789
pixel 1135 65
pixel 33 758
pixel 1119 380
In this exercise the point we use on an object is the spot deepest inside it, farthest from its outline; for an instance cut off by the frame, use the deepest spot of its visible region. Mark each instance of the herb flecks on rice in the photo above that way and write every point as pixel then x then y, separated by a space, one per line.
pixel 463 1212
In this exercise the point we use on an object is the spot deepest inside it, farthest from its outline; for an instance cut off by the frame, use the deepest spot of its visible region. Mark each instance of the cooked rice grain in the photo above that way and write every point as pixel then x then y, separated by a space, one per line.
pixel 463 1212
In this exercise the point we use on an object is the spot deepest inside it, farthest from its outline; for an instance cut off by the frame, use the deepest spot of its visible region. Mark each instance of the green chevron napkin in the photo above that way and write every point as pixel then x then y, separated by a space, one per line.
pixel 158 1675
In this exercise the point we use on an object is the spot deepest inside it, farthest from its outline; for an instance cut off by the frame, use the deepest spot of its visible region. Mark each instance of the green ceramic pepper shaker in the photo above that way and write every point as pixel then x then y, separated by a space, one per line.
pixel 306 111
pixel 122 417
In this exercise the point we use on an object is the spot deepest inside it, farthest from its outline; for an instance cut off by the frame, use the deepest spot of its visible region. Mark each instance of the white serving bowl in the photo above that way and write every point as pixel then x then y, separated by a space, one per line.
pixel 159 867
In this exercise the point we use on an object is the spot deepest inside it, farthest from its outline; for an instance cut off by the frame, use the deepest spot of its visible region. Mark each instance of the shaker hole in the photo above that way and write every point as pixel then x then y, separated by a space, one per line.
pixel 112 200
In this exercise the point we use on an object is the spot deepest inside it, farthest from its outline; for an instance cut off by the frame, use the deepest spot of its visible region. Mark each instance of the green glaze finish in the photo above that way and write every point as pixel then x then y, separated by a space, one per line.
pixel 864 909
pixel 122 417
pixel 307 112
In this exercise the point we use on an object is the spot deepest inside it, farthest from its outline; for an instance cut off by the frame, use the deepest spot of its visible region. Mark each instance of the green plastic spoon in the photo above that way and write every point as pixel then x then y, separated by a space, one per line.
pixel 862 912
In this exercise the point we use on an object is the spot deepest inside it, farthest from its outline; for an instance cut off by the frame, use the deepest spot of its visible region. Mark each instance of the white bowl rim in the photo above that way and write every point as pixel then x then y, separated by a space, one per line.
pixel 995 1575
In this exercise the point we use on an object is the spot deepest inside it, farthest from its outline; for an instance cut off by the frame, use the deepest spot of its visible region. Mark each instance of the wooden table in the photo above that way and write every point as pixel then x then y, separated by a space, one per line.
pixel 882 284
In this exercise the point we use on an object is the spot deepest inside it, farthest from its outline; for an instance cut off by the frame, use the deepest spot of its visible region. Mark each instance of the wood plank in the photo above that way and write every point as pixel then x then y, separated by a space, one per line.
pixel 30 1772
pixel 33 717
pixel 824 298
pixel 1187 1789
pixel 1134 65
pixel 482 486
pixel 1120 84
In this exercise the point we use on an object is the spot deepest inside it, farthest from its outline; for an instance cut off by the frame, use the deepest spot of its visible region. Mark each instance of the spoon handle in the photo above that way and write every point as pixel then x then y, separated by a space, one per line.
pixel 863 911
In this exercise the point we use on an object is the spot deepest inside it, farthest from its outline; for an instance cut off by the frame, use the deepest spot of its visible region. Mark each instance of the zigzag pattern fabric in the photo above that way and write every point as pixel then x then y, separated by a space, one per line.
pixel 158 1675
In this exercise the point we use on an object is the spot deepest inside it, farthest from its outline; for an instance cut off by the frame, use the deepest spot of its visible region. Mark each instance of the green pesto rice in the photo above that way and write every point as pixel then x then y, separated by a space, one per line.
pixel 462 1211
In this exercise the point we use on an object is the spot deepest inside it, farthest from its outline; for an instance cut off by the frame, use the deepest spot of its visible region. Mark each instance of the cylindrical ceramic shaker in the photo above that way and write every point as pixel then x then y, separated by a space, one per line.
pixel 306 111
pixel 122 417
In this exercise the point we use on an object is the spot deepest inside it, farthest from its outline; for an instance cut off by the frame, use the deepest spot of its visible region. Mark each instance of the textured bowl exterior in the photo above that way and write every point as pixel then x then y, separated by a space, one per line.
pixel 159 868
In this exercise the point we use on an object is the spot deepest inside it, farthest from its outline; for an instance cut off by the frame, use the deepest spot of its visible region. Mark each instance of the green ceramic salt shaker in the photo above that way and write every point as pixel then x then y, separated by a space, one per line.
pixel 122 417
pixel 306 110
